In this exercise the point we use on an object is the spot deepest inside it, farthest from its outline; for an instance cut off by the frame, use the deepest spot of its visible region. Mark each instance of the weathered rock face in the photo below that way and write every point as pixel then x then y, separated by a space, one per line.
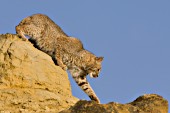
pixel 31 83
pixel 145 104
pixel 29 80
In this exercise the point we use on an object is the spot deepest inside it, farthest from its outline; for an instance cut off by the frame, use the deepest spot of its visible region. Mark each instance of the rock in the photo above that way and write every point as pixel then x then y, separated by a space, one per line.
pixel 150 103
pixel 29 80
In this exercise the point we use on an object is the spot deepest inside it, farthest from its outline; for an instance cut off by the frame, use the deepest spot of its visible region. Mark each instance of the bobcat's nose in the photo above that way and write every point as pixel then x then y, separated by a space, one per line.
pixel 95 76
pixel 92 75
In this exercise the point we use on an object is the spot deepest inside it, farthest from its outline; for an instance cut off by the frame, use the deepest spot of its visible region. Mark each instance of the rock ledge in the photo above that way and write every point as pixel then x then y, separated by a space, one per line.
pixel 150 103
pixel 29 80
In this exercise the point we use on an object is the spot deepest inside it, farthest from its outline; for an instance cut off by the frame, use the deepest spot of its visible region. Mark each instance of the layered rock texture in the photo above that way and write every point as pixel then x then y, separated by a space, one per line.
pixel 30 82
pixel 150 103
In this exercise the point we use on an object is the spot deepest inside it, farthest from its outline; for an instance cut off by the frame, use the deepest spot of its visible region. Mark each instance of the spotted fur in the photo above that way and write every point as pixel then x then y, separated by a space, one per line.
pixel 67 51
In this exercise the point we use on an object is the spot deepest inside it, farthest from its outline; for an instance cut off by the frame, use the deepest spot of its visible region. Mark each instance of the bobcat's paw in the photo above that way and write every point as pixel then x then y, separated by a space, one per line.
pixel 95 98
pixel 64 67
pixel 23 38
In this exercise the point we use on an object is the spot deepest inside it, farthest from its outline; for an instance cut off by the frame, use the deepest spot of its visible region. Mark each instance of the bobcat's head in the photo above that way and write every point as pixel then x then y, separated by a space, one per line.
pixel 94 69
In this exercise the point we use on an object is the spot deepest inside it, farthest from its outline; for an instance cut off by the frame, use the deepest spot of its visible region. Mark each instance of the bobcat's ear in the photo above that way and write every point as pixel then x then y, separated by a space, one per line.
pixel 99 59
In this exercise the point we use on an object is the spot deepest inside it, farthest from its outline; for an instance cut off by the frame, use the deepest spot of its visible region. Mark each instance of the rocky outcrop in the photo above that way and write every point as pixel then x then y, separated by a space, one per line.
pixel 29 80
pixel 150 103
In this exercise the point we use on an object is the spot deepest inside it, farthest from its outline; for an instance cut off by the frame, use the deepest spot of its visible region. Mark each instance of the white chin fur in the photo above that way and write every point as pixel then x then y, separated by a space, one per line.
pixel 91 75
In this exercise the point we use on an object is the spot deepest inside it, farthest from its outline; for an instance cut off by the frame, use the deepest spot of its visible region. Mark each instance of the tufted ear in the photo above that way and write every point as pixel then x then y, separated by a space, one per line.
pixel 99 59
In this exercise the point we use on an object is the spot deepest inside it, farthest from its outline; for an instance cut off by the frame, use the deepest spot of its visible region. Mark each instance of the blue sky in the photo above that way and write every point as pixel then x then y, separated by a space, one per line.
pixel 132 35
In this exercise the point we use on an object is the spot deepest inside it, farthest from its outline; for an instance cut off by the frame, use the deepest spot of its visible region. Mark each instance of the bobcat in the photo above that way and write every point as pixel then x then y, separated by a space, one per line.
pixel 67 51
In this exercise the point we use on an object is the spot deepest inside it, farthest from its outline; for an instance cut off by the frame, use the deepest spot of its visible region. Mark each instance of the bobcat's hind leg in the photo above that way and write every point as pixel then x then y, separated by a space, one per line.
pixel 60 62
pixel 20 33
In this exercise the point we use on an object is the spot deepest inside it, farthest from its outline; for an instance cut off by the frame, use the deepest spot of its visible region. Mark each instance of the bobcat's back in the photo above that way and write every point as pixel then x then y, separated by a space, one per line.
pixel 67 51
pixel 40 26
pixel 46 35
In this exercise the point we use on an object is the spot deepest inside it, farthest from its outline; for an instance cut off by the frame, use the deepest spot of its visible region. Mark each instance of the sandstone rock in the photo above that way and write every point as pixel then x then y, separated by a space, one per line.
pixel 150 103
pixel 29 80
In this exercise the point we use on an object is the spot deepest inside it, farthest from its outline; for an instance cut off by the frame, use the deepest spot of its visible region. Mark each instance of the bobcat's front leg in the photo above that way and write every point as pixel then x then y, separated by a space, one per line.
pixel 85 86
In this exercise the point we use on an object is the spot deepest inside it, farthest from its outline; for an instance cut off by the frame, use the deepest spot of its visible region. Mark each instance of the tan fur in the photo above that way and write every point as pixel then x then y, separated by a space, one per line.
pixel 68 51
